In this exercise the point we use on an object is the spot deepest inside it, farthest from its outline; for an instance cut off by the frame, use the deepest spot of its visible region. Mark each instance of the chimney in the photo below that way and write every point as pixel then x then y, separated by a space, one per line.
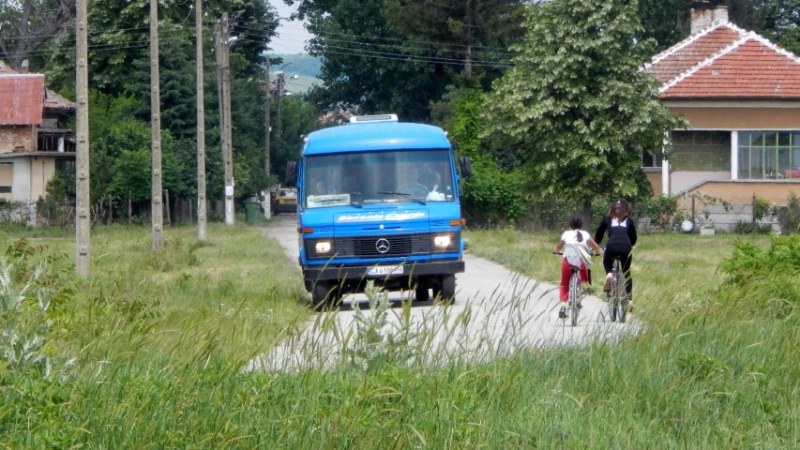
pixel 705 12
pixel 24 66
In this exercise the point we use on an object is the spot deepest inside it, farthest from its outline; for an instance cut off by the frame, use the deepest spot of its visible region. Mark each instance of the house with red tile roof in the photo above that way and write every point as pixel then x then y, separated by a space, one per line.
pixel 35 141
pixel 740 94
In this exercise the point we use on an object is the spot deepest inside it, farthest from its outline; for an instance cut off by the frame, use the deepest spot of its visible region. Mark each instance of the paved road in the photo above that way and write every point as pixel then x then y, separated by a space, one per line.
pixel 497 312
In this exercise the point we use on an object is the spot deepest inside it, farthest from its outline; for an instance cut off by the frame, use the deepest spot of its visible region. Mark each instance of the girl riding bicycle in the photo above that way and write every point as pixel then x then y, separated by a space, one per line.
pixel 576 245
pixel 621 239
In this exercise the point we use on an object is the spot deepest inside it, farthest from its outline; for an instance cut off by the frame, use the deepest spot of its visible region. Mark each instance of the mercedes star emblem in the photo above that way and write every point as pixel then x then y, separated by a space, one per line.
pixel 382 245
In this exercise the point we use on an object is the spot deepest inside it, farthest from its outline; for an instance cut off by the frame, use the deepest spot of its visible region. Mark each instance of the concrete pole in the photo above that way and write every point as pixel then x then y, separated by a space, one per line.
pixel 201 126
pixel 267 134
pixel 227 151
pixel 83 259
pixel 156 207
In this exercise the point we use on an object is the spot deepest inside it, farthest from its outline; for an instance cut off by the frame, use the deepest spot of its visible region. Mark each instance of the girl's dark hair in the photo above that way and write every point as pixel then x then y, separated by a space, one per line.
pixel 619 208
pixel 576 223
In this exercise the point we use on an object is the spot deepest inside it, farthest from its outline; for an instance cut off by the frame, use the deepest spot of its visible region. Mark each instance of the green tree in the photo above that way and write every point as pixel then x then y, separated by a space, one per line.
pixel 665 21
pixel 26 25
pixel 785 25
pixel 299 118
pixel 399 56
pixel 470 37
pixel 493 195
pixel 119 45
pixel 365 63
pixel 120 155
pixel 576 109
pixel 753 15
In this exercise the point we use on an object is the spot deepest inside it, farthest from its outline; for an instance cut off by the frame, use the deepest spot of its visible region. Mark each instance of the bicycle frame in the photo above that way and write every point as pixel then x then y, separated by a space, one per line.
pixel 617 297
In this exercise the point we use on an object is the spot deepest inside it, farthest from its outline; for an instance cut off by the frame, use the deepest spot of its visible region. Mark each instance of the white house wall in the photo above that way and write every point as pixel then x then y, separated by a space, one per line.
pixel 31 175
pixel 682 181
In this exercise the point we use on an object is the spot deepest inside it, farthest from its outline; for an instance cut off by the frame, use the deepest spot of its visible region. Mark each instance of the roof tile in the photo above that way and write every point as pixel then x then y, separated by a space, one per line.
pixel 22 99
pixel 726 62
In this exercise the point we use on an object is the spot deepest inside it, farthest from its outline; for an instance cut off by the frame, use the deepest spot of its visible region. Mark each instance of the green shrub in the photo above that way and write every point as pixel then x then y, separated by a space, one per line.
pixel 491 196
pixel 33 382
pixel 743 227
pixel 765 277
pixel 789 215
pixel 661 212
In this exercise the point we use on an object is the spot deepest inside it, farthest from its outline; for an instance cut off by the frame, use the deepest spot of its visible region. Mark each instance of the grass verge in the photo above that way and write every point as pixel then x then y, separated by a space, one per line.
pixel 148 354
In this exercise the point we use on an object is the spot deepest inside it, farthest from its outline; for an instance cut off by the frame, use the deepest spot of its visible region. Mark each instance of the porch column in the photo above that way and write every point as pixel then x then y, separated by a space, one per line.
pixel 734 155
pixel 665 170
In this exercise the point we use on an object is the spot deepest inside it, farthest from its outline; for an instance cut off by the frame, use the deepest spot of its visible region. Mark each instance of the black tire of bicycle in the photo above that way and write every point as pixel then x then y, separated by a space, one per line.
pixel 574 296
pixel 623 297
pixel 619 292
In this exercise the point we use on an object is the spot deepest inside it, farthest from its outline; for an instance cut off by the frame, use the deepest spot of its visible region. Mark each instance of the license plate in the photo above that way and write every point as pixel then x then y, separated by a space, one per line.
pixel 377 271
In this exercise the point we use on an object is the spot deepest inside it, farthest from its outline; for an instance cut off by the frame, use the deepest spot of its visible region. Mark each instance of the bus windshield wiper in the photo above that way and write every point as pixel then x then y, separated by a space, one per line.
pixel 354 203
pixel 404 194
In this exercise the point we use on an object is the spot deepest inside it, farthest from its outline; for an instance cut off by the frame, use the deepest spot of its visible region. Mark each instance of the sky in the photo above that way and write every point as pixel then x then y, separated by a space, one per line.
pixel 292 36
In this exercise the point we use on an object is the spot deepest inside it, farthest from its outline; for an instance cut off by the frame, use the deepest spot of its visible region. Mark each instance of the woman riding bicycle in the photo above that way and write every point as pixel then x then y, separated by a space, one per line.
pixel 576 245
pixel 621 239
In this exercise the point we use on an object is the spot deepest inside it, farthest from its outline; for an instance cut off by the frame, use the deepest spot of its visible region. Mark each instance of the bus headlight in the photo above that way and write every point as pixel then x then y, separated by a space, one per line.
pixel 323 247
pixel 442 241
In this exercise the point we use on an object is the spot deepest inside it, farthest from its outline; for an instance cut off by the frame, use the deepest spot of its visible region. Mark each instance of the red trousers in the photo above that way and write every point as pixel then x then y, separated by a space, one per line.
pixel 566 271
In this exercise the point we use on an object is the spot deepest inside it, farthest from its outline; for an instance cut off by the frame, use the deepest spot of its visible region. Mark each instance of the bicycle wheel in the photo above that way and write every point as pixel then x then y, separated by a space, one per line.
pixel 574 296
pixel 622 295
pixel 614 298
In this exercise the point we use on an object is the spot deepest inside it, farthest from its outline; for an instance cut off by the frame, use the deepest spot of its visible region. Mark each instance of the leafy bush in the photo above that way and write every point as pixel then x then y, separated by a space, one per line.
pixel 789 215
pixel 767 279
pixel 743 227
pixel 661 212
pixel 26 292
pixel 492 196
pixel 33 383
pixel 13 212
pixel 57 208
pixel 760 208
pixel 376 341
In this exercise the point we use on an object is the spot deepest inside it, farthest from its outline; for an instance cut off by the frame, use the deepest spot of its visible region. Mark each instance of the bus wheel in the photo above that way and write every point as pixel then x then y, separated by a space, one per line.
pixel 446 292
pixel 319 293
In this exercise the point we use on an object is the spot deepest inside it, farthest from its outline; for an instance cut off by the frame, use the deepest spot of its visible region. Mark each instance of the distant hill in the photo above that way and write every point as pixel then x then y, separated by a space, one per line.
pixel 302 71
pixel 300 64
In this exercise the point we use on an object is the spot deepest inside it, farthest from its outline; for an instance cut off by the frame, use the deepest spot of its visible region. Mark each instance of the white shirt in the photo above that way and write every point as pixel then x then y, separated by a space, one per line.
pixel 577 252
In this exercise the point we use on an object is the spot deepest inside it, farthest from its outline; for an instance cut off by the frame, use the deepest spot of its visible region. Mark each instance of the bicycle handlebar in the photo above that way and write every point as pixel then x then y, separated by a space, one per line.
pixel 590 254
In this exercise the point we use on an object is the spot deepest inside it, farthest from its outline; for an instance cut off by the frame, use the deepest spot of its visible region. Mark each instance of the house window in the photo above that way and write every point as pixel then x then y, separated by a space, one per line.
pixel 769 155
pixel 6 177
pixel 651 161
pixel 701 151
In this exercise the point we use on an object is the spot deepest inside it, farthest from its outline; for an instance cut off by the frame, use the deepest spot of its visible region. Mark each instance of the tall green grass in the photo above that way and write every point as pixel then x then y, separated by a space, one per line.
pixel 160 341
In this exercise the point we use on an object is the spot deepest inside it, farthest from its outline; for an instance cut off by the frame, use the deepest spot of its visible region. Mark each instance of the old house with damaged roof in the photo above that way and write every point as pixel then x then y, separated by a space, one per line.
pixel 35 141
pixel 740 94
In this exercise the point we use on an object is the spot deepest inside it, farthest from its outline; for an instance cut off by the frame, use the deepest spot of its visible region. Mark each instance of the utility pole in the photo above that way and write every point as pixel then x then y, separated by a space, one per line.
pixel 156 207
pixel 201 125
pixel 267 113
pixel 83 260
pixel 279 124
pixel 223 45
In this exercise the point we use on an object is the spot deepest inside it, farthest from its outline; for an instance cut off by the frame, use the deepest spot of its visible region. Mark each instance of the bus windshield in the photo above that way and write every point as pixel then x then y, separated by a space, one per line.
pixel 378 177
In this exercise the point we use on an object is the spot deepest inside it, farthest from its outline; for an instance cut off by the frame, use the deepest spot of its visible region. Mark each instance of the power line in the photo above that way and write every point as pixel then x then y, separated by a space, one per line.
pixel 387 48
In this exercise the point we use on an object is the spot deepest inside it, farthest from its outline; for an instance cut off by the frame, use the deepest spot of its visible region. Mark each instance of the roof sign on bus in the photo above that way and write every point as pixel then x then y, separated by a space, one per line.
pixel 374 118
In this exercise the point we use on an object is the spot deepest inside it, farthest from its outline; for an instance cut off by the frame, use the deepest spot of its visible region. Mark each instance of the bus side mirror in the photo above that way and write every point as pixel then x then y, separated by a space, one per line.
pixel 291 173
pixel 466 166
